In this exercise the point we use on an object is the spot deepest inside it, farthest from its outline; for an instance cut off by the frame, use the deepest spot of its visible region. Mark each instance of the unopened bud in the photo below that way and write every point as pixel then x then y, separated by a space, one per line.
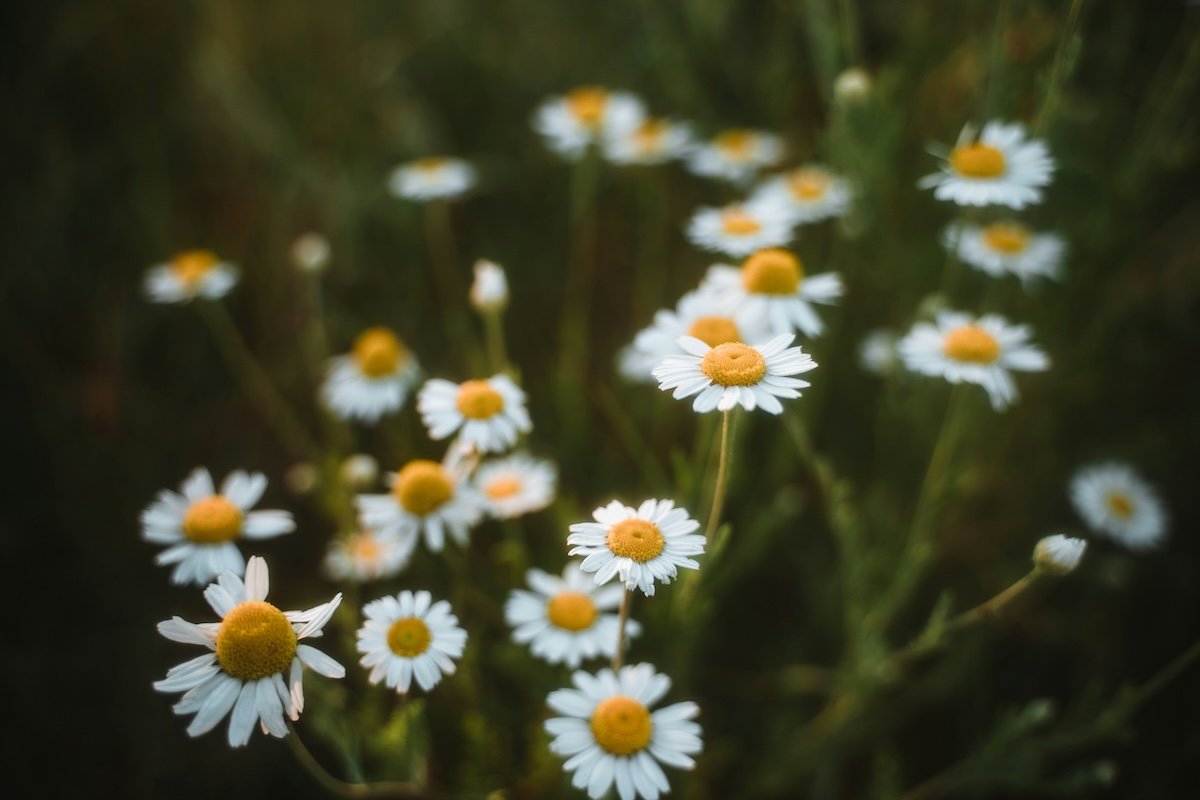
pixel 1058 554
pixel 310 252
pixel 360 471
pixel 852 86
pixel 489 292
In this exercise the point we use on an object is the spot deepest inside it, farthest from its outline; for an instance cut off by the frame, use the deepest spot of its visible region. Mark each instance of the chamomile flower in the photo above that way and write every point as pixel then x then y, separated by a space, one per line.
pixel 584 116
pixel 736 155
pixel 735 373
pixel 371 380
pixel 255 664
pixel 608 733
pixel 432 178
pixel 426 500
pixel 877 352
pixel 639 545
pixel 516 485
pixel 741 228
pixel 1007 248
pixel 188 275
pixel 771 285
pixel 1058 554
pixel 201 525
pixel 366 556
pixel 1116 502
pixel 562 619
pixel 409 636
pixel 1001 167
pixel 489 414
pixel 654 140
pixel 810 194
pixel 984 350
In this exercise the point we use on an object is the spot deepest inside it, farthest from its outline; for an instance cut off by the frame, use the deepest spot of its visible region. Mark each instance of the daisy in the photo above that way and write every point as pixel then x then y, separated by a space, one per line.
pixel 190 274
pixel 490 413
pixel 584 116
pixel 365 556
pixel 1001 167
pixel 516 485
pixel 250 650
pixel 877 352
pixel 1114 501
pixel 654 141
pixel 734 373
pixel 811 193
pixel 771 285
pixel 426 499
pixel 638 545
pixel 409 636
pixel 371 380
pixel 200 525
pixel 609 735
pixel 1058 554
pixel 984 350
pixel 1007 248
pixel 741 228
pixel 735 155
pixel 432 178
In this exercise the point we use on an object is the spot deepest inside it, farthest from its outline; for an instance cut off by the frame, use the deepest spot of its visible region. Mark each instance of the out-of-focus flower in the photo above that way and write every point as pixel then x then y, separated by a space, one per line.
pixel 516 485
pixel 365 556
pixel 810 194
pixel 1010 248
pixel 489 292
pixel 409 636
pixel 741 228
pixel 1001 167
pixel 734 373
pixel 301 478
pixel 877 352
pixel 432 178
pixel 360 471
pixel 852 86
pixel 639 546
pixel 771 286
pixel 736 155
pixel 584 116
pixel 373 379
pixel 490 413
pixel 1058 554
pixel 653 141
pixel 426 499
pixel 188 275
pixel 1114 501
pixel 310 252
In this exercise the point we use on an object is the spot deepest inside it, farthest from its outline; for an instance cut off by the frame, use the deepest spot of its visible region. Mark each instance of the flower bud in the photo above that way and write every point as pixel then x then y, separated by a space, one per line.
pixel 360 471
pixel 852 86
pixel 489 292
pixel 310 252
pixel 1058 554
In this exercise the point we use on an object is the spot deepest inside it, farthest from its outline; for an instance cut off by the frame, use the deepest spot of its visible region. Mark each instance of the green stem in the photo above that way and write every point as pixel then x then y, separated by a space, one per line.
pixel 718 500
pixel 1056 71
pixel 494 334
pixel 622 618
pixel 335 786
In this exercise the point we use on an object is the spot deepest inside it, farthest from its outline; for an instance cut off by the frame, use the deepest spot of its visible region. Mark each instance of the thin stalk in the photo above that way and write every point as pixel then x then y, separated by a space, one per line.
pixel 989 100
pixel 622 618
pixel 718 500
pixel 493 330
pixel 1164 676
pixel 1056 71
pixel 335 786
pixel 440 240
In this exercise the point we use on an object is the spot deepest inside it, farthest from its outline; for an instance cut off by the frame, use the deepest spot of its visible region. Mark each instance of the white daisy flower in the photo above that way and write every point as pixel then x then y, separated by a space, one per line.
pixel 1114 501
pixel 188 275
pixel 653 141
pixel 637 545
pixel 810 194
pixel 1007 248
pixel 489 292
pixel 736 155
pixel 771 285
pixel 516 485
pixel 561 619
pixel 371 380
pixel 409 636
pixel 961 348
pixel 490 413
pixel 732 374
pixel 877 352
pixel 1001 167
pixel 1058 554
pixel 366 556
pixel 609 734
pixel 200 525
pixel 250 650
pixel 426 499
pixel 584 116
pixel 741 228
pixel 432 178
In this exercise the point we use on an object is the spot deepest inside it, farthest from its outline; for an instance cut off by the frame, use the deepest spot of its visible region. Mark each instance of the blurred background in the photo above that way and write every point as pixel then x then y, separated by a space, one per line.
pixel 137 129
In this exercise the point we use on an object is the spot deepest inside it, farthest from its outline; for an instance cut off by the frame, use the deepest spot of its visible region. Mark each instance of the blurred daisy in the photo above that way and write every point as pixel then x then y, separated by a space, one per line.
pixel 736 155
pixel 609 735
pixel 1114 501
pixel 516 485
pixel 653 141
pixel 191 274
pixel 1058 554
pixel 1007 248
pixel 771 286
pixel 810 194
pixel 877 352
pixel 251 649
pixel 373 379
pixel 489 291
pixel 489 414
pixel 561 618
pixel 586 115
pixel 1001 167
pixel 432 178
pixel 426 499
pixel 366 556
pixel 359 471
pixel 637 545
pixel 408 636
pixel 201 525
pixel 741 228
pixel 734 373
pixel 961 348
pixel 310 252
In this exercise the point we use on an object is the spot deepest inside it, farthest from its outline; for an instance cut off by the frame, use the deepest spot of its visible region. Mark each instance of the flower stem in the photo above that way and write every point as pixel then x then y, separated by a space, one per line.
pixel 440 240
pixel 335 786
pixel 714 515
pixel 494 334
pixel 1057 71
pixel 622 617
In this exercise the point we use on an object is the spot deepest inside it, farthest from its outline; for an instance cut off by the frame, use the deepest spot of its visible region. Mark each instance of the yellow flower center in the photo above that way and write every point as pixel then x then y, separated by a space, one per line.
pixel 735 144
pixel 191 266
pixel 808 184
pixel 377 352
pixel 637 539
pixel 478 400
pixel 772 271
pixel 1119 504
pixel 1006 238
pixel 571 611
pixel 621 725
pixel 422 486
pixel 715 330
pixel 212 520
pixel 736 222
pixel 409 637
pixel 503 488
pixel 648 138
pixel 365 548
pixel 971 343
pixel 588 104
pixel 255 640
pixel 430 163
pixel 734 364
pixel 977 160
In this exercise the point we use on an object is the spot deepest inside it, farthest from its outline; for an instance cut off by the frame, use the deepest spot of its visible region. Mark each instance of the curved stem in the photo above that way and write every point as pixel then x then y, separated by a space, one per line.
pixel 714 515
pixel 622 618
pixel 398 790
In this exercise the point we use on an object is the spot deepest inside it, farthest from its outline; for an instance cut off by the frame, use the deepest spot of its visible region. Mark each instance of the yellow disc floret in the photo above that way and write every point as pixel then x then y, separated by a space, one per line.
pixel 621 725
pixel 1119 504
pixel 192 266
pixel 409 637
pixel 377 352
pixel 255 640
pixel 212 520
pixel 1006 237
pixel 772 271
pixel 972 344
pixel 648 137
pixel 977 160
pixel 588 104
pixel 478 400
pixel 636 539
pixel 808 184
pixel 365 548
pixel 715 330
pixel 571 611
pixel 735 144
pixel 422 486
pixel 431 163
pixel 503 487
pixel 734 364
pixel 737 222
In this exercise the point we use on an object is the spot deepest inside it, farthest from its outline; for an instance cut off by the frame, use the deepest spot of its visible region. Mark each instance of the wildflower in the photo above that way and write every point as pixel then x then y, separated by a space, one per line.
pixel 638 545
pixel 877 352
pixel 371 380
pixel 432 178
pixel 852 86
pixel 735 155
pixel 810 194
pixel 490 413
pixel 366 556
pixel 426 500
pixel 654 141
pixel 584 116
pixel 1001 167
pixel 489 292
pixel 409 636
pixel 741 228
pixel 359 470
pixel 734 373
pixel 516 485
pixel 188 275
pixel 771 285
pixel 1002 248
pixel 310 252
pixel 1058 554
pixel 1116 502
